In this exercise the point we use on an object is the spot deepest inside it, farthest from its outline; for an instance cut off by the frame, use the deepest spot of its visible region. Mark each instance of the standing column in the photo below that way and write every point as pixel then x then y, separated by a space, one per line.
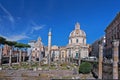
pixel 65 55
pixel 10 58
pixel 60 56
pixel 0 56
pixel 49 46
pixel 20 58
pixel 23 56
pixel 115 59
pixel 36 51
pixel 17 57
pixel 39 57
pixel 30 56
pixel 100 61
pixel 69 56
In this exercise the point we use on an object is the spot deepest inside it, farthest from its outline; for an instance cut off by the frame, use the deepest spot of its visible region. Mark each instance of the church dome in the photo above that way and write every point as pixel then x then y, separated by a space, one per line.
pixel 77 32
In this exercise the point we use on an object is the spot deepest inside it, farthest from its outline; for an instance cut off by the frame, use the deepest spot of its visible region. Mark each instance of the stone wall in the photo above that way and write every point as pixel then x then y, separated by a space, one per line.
pixel 107 72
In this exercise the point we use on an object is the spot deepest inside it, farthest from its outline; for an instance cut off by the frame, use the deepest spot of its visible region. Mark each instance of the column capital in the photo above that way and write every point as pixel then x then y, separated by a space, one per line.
pixel 115 43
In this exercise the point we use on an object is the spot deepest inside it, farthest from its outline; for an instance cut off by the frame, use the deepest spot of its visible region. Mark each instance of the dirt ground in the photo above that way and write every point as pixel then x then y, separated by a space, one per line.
pixel 41 75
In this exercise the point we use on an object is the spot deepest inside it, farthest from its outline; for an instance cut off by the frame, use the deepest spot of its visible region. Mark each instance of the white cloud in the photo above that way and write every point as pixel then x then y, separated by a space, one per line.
pixel 36 27
pixel 10 17
pixel 15 37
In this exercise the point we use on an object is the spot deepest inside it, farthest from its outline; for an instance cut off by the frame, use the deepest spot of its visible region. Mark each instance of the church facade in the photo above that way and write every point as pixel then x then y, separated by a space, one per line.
pixel 37 49
pixel 77 47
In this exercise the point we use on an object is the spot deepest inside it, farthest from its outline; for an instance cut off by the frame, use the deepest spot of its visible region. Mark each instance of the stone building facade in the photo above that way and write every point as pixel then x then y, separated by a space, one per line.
pixel 58 53
pixel 95 46
pixel 112 32
pixel 55 53
pixel 75 49
pixel 6 50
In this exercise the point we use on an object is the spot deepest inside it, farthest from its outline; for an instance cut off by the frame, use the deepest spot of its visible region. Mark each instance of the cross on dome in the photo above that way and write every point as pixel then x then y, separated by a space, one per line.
pixel 77 26
pixel 39 38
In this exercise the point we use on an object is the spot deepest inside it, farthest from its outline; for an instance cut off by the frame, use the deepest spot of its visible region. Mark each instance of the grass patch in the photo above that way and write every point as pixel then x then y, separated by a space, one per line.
pixel 66 77
pixel 53 68
pixel 63 64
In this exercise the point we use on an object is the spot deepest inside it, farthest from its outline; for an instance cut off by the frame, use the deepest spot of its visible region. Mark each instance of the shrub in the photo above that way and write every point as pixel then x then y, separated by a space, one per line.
pixel 85 68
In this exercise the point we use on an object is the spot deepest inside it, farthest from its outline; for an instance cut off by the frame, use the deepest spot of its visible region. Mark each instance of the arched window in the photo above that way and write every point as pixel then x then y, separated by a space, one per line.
pixel 76 40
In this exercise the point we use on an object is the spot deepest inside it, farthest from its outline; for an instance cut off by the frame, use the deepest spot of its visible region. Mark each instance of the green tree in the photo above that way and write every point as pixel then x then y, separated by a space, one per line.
pixel 85 68
pixel 2 41
pixel 11 43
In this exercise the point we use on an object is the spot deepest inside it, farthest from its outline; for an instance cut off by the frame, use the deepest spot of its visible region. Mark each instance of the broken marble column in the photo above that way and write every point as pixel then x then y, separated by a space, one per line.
pixel 10 58
pixel 115 58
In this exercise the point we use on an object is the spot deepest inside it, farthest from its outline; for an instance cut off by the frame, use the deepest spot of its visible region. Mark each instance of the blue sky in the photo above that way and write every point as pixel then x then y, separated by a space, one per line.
pixel 25 20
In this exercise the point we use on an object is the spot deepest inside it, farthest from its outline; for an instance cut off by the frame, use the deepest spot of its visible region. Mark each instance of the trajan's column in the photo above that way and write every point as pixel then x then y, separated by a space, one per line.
pixel 49 46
